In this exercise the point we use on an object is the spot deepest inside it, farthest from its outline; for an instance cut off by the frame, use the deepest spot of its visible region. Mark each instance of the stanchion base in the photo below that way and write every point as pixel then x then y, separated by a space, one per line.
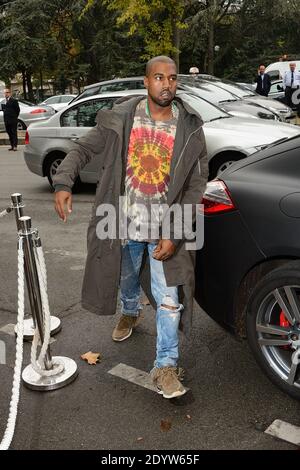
pixel 55 325
pixel 34 381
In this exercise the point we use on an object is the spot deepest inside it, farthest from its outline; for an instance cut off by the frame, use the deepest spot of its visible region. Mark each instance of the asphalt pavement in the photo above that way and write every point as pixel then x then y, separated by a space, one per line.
pixel 230 403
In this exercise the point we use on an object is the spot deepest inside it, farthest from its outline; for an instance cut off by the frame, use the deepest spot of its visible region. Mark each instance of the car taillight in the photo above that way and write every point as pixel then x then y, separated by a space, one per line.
pixel 26 138
pixel 38 111
pixel 216 198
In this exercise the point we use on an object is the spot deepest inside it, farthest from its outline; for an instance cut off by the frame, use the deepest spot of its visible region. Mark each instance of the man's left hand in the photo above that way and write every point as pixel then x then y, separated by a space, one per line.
pixel 164 250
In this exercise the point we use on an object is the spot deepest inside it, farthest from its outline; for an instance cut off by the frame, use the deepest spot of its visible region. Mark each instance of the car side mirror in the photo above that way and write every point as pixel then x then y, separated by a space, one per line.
pixel 279 88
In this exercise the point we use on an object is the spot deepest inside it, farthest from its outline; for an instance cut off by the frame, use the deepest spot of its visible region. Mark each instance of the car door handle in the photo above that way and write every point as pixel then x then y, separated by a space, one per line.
pixel 74 137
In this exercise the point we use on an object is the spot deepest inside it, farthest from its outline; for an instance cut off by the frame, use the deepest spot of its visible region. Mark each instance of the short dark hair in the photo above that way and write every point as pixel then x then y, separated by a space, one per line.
pixel 261 65
pixel 159 58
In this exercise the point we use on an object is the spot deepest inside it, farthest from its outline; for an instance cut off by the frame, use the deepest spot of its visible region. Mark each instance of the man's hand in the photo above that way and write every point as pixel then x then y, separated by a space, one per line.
pixel 62 199
pixel 164 250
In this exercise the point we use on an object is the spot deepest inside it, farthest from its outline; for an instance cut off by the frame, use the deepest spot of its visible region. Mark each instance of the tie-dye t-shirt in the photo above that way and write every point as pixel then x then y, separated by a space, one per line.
pixel 148 171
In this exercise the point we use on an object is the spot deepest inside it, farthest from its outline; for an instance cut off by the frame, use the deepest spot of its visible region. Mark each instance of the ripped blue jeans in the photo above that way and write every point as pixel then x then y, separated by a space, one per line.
pixel 167 320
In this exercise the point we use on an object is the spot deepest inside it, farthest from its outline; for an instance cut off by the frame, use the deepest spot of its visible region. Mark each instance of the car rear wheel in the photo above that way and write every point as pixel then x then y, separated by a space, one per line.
pixel 221 162
pixel 273 327
pixel 21 126
pixel 52 165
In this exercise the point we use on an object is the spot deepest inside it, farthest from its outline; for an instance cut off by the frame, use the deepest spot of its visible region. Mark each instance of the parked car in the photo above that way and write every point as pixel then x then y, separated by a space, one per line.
pixel 58 102
pixel 28 113
pixel 109 86
pixel 248 86
pixel 277 69
pixel 222 98
pixel 249 268
pixel 277 91
pixel 228 139
pixel 285 113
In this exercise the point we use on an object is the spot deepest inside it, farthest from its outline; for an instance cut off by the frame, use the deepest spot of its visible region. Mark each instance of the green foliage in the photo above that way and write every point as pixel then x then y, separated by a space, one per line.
pixel 89 40
pixel 156 21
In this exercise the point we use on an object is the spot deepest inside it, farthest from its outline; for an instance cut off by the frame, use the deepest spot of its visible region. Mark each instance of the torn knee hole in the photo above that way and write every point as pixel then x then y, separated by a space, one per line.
pixel 169 307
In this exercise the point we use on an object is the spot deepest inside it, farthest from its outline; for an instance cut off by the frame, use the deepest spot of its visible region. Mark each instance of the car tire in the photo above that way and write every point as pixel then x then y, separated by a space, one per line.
pixel 52 164
pixel 267 319
pixel 221 162
pixel 21 126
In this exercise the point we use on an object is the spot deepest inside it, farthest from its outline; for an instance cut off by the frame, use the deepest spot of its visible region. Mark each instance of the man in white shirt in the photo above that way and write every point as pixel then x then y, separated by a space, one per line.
pixel 291 83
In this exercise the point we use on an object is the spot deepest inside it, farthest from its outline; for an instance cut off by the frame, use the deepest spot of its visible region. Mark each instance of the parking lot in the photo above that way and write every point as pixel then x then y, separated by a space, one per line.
pixel 230 403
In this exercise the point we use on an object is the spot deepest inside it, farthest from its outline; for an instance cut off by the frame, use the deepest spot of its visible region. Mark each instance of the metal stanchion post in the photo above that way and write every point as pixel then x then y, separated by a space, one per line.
pixel 29 323
pixel 30 377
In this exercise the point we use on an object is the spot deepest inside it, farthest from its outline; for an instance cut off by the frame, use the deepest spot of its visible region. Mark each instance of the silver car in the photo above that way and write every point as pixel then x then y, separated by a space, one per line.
pixel 58 102
pixel 28 113
pixel 229 96
pixel 282 110
pixel 228 138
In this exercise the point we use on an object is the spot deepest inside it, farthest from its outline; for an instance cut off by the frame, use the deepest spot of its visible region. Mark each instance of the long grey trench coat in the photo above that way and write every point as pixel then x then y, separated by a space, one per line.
pixel 108 142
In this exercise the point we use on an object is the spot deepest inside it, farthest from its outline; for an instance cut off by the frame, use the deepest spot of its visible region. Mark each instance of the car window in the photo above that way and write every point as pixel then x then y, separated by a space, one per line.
pixel 274 75
pixel 89 92
pixel 208 91
pixel 54 99
pixel 140 85
pixel 274 87
pixel 65 99
pixel 118 86
pixel 69 118
pixel 207 111
pixel 84 115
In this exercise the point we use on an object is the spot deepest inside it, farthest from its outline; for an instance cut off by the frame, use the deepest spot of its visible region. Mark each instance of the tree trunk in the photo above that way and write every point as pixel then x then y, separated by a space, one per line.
pixel 29 86
pixel 41 97
pixel 24 84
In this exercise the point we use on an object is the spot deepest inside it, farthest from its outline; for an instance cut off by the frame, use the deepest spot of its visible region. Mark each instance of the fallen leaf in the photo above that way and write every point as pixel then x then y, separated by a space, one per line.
pixel 165 425
pixel 91 358
pixel 139 439
pixel 188 417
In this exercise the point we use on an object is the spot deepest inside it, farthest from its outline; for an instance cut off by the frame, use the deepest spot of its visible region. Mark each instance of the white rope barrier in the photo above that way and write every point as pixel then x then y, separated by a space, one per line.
pixel 38 364
pixel 15 396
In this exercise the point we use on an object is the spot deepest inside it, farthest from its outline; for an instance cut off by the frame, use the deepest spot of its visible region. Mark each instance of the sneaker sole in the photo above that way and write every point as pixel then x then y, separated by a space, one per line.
pixel 122 339
pixel 176 394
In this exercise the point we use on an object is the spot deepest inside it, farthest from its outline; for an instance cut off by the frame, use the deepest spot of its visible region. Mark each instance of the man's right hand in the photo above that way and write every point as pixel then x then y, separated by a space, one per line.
pixel 63 204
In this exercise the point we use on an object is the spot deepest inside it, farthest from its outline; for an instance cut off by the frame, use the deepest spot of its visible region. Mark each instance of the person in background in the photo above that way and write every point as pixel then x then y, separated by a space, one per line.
pixel 291 83
pixel 11 111
pixel 263 81
pixel 194 71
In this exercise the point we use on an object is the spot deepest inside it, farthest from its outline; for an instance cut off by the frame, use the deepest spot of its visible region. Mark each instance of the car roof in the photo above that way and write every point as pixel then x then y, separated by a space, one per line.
pixel 111 94
pixel 113 80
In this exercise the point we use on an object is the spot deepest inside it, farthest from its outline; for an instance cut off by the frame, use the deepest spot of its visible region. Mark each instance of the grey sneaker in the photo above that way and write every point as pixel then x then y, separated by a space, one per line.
pixel 124 327
pixel 166 380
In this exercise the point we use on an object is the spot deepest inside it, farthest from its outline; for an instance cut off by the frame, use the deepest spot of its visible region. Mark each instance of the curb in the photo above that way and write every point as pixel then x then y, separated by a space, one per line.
pixel 7 142
pixel 4 140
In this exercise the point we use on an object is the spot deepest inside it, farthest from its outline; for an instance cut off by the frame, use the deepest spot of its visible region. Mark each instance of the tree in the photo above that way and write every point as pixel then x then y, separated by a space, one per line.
pixel 158 22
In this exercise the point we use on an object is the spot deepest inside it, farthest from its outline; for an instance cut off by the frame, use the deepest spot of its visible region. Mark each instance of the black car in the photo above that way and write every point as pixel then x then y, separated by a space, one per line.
pixel 249 267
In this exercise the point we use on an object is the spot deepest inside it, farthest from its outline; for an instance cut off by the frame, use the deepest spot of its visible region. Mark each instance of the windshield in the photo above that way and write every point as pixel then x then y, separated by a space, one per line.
pixel 207 111
pixel 207 90
pixel 231 87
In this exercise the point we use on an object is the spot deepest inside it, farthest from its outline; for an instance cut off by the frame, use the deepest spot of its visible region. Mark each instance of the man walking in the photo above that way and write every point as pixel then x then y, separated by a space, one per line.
pixel 263 81
pixel 152 152
pixel 291 83
pixel 11 111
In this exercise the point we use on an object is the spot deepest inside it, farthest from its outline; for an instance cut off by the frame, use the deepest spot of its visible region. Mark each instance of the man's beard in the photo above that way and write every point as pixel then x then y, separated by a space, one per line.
pixel 163 102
